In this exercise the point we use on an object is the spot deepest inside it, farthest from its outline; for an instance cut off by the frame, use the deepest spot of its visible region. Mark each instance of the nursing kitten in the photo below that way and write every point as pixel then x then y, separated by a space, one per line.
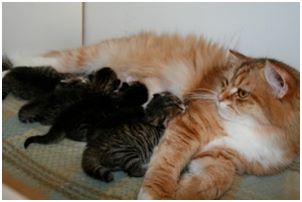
pixel 263 138
pixel 74 121
pixel 28 83
pixel 45 109
pixel 129 145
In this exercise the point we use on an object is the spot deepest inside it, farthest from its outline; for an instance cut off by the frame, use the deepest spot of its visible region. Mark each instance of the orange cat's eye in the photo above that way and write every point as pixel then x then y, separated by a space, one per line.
pixel 242 93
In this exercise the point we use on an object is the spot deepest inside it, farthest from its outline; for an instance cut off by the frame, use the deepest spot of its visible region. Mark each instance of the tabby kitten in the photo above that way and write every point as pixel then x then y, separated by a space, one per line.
pixel 94 108
pixel 29 83
pixel 129 146
pixel 45 109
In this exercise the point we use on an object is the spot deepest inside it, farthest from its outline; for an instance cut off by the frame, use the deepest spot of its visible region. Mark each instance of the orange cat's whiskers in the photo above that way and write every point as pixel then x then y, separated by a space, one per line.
pixel 201 94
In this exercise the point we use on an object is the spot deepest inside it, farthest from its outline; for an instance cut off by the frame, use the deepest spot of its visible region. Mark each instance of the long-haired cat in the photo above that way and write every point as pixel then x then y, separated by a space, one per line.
pixel 251 125
pixel 252 128
pixel 129 144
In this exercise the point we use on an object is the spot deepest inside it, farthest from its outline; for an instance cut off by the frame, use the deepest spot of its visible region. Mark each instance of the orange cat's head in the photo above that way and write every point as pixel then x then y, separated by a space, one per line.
pixel 265 90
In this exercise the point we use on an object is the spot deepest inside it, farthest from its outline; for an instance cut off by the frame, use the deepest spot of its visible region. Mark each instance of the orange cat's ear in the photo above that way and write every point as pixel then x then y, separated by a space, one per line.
pixel 237 58
pixel 277 77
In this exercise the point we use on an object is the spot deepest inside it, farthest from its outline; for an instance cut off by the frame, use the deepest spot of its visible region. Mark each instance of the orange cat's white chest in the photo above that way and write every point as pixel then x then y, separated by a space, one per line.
pixel 250 142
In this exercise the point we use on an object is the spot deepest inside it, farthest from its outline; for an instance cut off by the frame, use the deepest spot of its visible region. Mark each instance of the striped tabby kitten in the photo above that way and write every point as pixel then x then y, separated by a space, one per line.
pixel 129 146
pixel 28 83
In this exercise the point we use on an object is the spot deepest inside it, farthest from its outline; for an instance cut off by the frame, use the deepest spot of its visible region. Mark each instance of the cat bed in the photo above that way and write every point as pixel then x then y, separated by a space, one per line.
pixel 54 171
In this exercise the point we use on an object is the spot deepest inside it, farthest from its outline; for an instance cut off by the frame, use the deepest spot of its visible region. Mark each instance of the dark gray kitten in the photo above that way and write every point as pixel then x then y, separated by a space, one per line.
pixel 95 108
pixel 129 145
pixel 31 82
pixel 45 109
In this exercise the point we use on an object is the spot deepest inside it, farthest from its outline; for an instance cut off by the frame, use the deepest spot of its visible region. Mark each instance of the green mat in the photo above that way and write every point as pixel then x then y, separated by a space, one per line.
pixel 54 171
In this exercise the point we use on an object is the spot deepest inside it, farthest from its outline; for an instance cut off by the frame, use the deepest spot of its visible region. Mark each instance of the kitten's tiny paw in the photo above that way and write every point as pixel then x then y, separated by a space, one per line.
pixel 107 176
pixel 137 173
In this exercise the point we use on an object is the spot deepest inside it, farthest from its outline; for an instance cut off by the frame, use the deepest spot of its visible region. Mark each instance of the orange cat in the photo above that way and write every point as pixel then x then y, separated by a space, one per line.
pixel 242 113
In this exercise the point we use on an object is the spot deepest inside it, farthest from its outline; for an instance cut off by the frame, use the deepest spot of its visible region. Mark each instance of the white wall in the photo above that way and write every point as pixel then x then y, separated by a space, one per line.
pixel 256 29
pixel 30 28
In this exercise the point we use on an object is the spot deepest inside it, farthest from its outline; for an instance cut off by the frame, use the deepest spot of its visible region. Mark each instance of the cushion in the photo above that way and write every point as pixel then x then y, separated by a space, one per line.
pixel 54 171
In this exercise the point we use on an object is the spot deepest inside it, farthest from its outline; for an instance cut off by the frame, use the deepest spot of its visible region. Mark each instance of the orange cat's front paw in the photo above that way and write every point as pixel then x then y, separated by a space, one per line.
pixel 144 195
pixel 156 191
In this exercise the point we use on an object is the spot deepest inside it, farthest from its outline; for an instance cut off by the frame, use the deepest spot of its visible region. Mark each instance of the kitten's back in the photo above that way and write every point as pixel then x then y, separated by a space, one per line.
pixel 28 83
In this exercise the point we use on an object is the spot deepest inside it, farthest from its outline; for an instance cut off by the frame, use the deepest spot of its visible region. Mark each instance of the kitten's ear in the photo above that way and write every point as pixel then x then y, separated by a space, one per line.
pixel 237 58
pixel 156 95
pixel 277 78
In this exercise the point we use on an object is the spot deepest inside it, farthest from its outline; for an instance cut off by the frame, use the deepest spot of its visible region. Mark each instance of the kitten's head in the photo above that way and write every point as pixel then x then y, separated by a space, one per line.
pixel 104 80
pixel 162 108
pixel 132 94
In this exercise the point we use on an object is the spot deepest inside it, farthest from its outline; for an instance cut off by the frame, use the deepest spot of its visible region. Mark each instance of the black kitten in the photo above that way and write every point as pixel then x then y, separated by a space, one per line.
pixel 47 108
pixel 129 145
pixel 75 121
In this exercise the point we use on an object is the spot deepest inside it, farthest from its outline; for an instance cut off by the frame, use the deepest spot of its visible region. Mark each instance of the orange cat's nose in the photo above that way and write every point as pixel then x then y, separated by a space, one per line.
pixel 220 97
pixel 224 95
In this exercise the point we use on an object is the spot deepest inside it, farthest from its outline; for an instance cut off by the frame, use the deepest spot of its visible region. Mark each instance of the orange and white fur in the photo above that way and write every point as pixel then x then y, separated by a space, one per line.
pixel 242 114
